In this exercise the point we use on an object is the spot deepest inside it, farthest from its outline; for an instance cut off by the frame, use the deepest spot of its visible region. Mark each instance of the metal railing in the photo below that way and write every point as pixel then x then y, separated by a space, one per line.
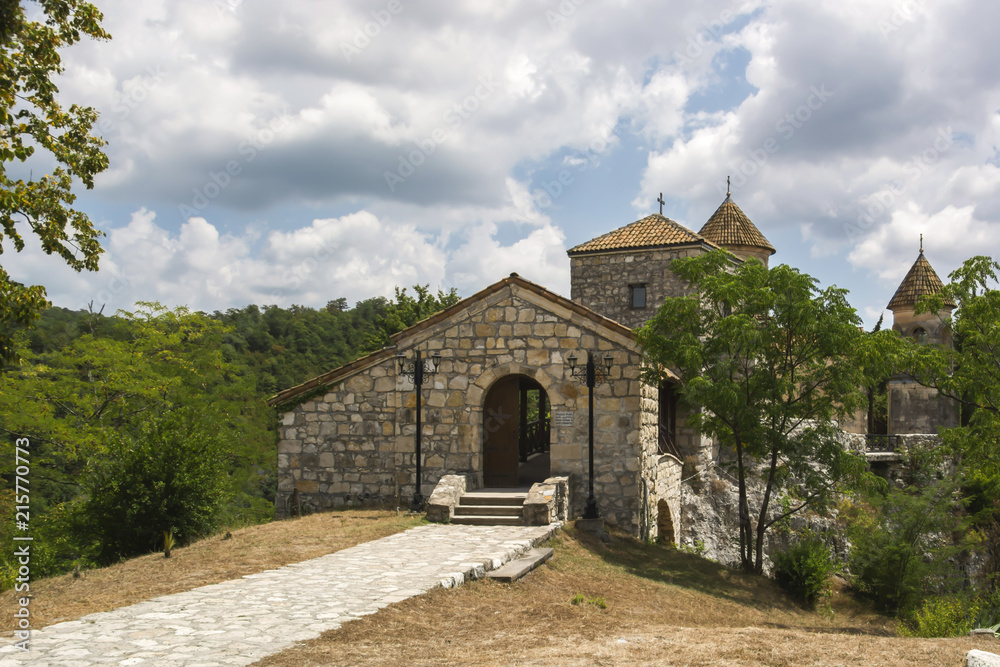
pixel 880 442
pixel 667 443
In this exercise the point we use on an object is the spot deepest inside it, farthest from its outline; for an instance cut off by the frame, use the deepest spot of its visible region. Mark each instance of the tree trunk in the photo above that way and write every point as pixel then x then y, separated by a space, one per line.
pixel 759 569
pixel 746 528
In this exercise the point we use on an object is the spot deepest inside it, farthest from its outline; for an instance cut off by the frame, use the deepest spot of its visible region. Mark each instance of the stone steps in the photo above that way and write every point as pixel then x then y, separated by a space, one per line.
pixel 488 520
pixel 490 509
pixel 494 499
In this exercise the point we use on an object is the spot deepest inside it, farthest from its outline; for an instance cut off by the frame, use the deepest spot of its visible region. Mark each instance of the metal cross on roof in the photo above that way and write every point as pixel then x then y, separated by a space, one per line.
pixel 661 203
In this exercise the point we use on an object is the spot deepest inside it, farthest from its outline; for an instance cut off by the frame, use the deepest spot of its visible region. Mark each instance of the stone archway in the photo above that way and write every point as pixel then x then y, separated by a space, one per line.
pixel 516 434
pixel 664 523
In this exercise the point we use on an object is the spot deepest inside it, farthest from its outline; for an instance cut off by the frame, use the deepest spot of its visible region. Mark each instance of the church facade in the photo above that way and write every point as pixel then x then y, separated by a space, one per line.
pixel 502 402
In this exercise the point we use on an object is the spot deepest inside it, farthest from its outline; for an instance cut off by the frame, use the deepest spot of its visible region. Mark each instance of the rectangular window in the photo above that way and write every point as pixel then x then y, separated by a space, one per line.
pixel 638 295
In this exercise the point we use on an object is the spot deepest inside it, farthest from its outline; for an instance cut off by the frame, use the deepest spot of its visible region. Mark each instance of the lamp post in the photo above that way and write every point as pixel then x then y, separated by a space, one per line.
pixel 416 370
pixel 592 374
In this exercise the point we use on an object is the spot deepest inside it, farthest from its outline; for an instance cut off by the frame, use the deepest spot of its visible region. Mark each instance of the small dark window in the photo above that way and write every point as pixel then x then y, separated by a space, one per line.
pixel 920 335
pixel 638 295
pixel 668 419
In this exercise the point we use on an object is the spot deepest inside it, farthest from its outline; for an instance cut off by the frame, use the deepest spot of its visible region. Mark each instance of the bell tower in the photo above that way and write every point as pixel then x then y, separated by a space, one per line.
pixel 914 408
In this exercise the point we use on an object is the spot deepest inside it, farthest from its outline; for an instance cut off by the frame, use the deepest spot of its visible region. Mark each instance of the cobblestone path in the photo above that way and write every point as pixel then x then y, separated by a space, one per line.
pixel 240 621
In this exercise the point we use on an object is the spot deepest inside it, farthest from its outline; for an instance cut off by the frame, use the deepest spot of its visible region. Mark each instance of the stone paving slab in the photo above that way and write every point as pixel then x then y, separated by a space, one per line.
pixel 240 621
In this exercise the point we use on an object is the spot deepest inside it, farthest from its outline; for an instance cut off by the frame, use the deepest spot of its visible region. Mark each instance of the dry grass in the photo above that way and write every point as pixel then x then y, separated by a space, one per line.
pixel 208 561
pixel 664 607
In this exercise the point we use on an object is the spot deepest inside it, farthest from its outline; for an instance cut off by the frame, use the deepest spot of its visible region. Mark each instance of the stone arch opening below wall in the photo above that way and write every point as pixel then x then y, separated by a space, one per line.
pixel 516 432
pixel 664 523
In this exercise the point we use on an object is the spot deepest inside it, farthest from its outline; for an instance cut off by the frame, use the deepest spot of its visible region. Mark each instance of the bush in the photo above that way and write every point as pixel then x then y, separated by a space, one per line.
pixel 168 476
pixel 804 570
pixel 940 617
pixel 900 548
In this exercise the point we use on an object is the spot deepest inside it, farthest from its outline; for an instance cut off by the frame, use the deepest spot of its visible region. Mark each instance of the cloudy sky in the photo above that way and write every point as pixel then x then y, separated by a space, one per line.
pixel 302 151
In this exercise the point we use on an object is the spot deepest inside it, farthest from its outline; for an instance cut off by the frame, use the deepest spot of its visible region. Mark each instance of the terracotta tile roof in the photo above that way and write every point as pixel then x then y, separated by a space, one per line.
pixel 920 281
pixel 729 226
pixel 652 231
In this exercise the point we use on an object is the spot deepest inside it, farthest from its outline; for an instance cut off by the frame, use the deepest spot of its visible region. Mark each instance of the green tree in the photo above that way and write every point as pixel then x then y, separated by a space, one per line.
pixel 31 117
pixel 406 311
pixel 169 474
pixel 77 405
pixel 970 372
pixel 766 360
pixel 901 545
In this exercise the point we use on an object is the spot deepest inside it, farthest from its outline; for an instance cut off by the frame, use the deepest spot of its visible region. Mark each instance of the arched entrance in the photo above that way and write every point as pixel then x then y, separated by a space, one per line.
pixel 664 523
pixel 515 433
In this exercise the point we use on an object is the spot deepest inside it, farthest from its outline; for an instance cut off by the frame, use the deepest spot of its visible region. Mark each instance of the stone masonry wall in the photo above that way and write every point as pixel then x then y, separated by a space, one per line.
pixel 661 473
pixel 601 281
pixel 914 408
pixel 356 442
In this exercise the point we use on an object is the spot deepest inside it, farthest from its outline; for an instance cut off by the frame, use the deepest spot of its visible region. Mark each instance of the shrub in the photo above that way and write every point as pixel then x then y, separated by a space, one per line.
pixel 899 547
pixel 170 475
pixel 943 617
pixel 804 570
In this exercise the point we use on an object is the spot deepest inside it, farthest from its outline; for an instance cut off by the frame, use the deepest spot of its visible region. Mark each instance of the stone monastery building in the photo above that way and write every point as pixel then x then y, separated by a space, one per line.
pixel 503 408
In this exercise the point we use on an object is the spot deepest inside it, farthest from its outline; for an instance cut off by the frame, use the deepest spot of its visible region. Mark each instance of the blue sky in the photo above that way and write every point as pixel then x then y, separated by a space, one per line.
pixel 306 151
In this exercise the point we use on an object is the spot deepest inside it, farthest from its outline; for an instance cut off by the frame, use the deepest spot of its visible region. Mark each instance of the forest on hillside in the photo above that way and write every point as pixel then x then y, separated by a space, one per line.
pixel 152 425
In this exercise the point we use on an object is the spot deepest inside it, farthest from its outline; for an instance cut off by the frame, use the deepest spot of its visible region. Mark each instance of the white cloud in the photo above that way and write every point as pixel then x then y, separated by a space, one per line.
pixel 833 142
pixel 951 235
pixel 356 256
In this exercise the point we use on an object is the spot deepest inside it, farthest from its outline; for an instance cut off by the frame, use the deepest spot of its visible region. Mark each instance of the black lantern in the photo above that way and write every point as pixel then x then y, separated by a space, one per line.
pixel 592 374
pixel 417 370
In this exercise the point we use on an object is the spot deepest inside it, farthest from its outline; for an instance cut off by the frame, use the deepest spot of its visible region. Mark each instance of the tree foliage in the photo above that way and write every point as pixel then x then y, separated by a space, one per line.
pixel 766 360
pixel 169 475
pixel 133 407
pixel 901 545
pixel 30 118
pixel 406 311
pixel 970 372
pixel 98 402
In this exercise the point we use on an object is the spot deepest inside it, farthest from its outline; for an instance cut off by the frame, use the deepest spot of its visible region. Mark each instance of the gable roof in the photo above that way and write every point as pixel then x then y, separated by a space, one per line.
pixel 653 231
pixel 729 226
pixel 513 282
pixel 921 281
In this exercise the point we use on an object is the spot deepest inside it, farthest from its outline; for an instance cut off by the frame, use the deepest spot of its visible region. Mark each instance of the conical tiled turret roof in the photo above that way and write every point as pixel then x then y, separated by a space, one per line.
pixel 919 282
pixel 652 231
pixel 729 226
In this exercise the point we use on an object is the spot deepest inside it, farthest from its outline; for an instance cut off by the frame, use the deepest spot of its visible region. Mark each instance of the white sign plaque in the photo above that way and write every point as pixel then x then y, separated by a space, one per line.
pixel 562 418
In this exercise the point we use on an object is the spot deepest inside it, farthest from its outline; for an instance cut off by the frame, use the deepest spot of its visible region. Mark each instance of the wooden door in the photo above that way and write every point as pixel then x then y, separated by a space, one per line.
pixel 500 419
